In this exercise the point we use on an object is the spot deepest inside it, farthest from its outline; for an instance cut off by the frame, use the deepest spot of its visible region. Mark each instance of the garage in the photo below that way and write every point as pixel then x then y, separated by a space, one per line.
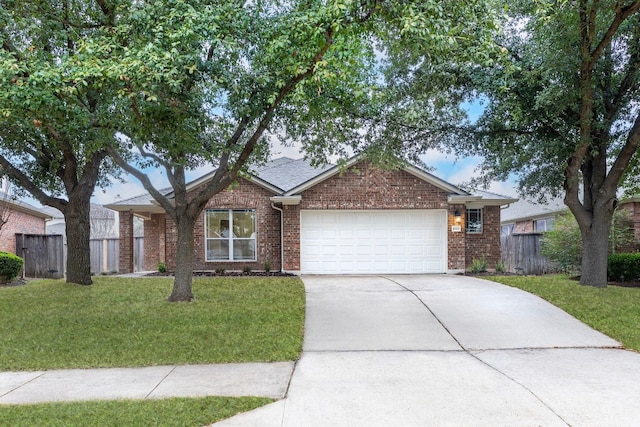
pixel 373 241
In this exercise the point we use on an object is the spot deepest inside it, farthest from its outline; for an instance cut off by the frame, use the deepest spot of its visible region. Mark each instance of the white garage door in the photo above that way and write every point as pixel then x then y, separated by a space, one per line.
pixel 377 241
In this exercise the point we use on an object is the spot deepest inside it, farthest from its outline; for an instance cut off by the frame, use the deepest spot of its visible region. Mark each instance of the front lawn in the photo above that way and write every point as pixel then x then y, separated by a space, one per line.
pixel 179 412
pixel 614 311
pixel 124 322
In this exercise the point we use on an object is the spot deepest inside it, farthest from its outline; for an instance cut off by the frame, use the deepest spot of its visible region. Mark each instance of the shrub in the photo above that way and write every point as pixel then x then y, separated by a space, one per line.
pixel 246 270
pixel 219 270
pixel 563 244
pixel 162 267
pixel 500 267
pixel 10 266
pixel 624 267
pixel 267 266
pixel 478 265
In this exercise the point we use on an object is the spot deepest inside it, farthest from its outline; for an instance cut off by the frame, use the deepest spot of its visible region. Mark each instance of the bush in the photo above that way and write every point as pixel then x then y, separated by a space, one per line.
pixel 162 267
pixel 10 266
pixel 624 267
pixel 500 267
pixel 563 244
pixel 478 265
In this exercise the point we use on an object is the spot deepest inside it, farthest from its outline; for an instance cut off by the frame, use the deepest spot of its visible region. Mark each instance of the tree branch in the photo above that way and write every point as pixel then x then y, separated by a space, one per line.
pixel 144 179
pixel 27 184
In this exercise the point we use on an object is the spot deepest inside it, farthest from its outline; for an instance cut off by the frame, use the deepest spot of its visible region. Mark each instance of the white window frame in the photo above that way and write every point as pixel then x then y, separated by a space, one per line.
pixel 474 231
pixel 230 239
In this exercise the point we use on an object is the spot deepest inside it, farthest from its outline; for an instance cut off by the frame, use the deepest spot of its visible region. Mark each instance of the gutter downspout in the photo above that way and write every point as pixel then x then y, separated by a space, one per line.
pixel 281 236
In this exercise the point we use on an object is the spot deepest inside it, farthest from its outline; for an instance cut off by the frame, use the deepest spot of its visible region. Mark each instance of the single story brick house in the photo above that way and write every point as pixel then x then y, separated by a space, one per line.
pixel 349 219
pixel 21 218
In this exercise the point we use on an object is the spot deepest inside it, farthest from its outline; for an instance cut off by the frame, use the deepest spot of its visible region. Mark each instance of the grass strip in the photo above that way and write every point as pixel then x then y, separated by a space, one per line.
pixel 126 322
pixel 178 412
pixel 614 311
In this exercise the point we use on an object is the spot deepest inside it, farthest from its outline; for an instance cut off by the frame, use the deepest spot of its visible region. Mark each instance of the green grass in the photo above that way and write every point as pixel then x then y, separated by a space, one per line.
pixel 123 322
pixel 614 311
pixel 167 412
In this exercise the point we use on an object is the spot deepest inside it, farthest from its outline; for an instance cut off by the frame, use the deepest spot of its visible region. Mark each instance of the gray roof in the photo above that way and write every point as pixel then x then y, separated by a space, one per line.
pixel 286 173
pixel 139 200
pixel 488 195
pixel 97 211
pixel 527 209
pixel 24 207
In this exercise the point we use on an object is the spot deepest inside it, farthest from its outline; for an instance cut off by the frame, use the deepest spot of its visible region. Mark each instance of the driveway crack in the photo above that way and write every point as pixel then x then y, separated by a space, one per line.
pixel 467 351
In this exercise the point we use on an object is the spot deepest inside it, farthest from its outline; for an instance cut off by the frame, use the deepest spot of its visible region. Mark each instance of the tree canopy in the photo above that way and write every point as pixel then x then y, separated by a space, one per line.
pixel 56 105
pixel 309 72
pixel 562 111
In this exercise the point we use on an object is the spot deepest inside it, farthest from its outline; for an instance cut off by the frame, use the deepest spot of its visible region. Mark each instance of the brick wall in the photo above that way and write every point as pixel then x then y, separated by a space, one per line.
pixel 524 227
pixel 291 237
pixel 456 239
pixel 126 242
pixel 19 223
pixel 364 186
pixel 244 195
pixel 154 234
pixel 486 244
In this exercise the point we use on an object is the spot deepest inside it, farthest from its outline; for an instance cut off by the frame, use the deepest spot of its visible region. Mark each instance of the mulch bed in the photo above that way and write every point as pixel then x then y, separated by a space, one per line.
pixel 16 282
pixel 227 274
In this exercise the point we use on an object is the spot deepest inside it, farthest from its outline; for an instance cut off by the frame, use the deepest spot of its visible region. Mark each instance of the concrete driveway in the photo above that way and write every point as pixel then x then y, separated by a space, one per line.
pixel 449 350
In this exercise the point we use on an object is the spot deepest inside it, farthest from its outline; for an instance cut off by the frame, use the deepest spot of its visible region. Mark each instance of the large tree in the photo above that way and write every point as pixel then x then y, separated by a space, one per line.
pixel 302 70
pixel 562 113
pixel 55 102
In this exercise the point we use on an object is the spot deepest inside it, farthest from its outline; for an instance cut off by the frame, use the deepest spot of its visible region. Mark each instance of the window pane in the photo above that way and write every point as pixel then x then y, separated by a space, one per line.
pixel 243 224
pixel 474 220
pixel 244 249
pixel 217 224
pixel 217 249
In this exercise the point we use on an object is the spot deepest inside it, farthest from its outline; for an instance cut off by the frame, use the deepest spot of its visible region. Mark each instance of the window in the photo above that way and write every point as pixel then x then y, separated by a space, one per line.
pixel 474 220
pixel 230 235
pixel 543 224
pixel 507 229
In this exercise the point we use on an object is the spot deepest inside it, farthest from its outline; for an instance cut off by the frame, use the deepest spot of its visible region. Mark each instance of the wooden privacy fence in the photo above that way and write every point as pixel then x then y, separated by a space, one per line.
pixel 105 255
pixel 43 254
pixel 521 254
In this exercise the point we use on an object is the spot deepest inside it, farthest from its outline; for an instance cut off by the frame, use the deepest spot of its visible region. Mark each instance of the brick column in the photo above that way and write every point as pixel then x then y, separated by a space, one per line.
pixel 291 237
pixel 456 239
pixel 126 241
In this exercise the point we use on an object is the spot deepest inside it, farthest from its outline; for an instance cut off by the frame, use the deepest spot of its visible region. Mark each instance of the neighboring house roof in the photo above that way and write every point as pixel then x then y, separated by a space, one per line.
pixel 103 221
pixel 525 209
pixel 287 178
pixel 142 201
pixel 21 206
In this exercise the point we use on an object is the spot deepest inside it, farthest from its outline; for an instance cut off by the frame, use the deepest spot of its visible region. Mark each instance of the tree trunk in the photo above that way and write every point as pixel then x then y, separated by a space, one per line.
pixel 184 260
pixel 78 229
pixel 595 251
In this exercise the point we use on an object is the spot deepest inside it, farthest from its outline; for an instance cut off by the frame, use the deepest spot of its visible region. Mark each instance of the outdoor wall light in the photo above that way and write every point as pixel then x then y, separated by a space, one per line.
pixel 457 216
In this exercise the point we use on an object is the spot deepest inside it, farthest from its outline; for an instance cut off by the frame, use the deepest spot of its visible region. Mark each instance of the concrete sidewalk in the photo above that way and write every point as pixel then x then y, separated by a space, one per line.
pixel 448 350
pixel 155 382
